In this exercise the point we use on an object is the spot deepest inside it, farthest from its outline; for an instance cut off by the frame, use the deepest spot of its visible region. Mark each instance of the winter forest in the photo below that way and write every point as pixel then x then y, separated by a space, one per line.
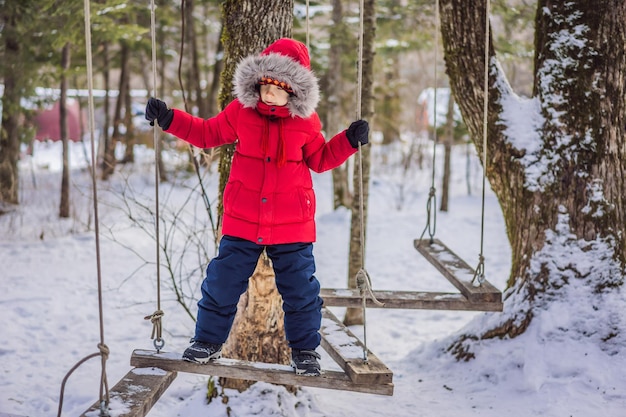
pixel 471 256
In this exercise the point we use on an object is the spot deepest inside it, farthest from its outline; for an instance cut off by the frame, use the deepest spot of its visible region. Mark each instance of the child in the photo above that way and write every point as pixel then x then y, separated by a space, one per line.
pixel 269 201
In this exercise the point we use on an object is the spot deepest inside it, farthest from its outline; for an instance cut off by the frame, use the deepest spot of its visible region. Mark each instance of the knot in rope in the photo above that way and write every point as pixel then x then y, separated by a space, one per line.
pixel 364 284
pixel 479 274
pixel 157 327
pixel 104 351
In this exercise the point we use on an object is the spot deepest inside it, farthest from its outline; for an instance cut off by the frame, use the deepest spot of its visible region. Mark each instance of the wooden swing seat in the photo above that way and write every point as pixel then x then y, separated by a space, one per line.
pixel 136 393
pixel 483 297
pixel 370 376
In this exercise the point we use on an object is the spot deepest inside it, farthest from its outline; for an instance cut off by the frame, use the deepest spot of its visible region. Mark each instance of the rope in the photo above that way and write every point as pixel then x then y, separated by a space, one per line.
pixel 431 204
pixel 362 277
pixel 364 284
pixel 155 317
pixel 479 274
pixel 103 348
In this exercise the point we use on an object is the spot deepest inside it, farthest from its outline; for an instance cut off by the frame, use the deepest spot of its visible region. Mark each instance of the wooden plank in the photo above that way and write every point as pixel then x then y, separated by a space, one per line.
pixel 406 300
pixel 255 371
pixel 136 393
pixel 347 350
pixel 457 271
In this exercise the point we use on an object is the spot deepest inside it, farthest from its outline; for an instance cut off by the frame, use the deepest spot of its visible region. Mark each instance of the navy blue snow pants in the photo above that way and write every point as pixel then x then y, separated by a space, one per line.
pixel 227 278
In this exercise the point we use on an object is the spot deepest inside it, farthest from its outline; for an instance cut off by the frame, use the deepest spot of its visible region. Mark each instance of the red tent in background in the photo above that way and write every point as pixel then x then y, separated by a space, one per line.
pixel 48 122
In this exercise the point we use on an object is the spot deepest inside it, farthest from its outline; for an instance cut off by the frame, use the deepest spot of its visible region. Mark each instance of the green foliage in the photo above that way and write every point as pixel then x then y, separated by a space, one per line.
pixel 513 37
pixel 404 26
pixel 212 390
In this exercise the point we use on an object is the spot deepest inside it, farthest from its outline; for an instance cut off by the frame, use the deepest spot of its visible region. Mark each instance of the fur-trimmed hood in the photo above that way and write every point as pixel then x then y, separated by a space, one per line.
pixel 286 60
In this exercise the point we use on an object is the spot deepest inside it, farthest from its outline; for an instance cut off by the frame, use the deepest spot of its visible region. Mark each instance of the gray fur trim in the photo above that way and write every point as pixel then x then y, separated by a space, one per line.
pixel 306 93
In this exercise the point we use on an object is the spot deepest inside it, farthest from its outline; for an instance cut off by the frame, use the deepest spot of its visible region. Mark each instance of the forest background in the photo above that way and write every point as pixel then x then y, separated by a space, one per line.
pixel 557 172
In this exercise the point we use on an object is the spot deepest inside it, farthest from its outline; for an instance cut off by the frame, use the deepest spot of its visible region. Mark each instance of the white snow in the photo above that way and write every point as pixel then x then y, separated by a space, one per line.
pixel 50 317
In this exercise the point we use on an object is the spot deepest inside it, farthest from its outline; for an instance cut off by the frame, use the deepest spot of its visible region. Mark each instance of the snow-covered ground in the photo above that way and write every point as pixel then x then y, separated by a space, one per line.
pixel 50 316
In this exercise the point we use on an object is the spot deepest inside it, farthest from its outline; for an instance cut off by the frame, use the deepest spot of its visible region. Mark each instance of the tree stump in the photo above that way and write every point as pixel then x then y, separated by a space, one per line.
pixel 258 332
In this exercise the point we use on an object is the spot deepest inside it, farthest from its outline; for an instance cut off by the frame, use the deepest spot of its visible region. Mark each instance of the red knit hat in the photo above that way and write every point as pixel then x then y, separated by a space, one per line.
pixel 291 48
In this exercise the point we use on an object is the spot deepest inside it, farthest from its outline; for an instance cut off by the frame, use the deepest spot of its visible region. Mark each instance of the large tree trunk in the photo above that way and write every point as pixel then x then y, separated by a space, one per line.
pixel 562 190
pixel 64 206
pixel 357 245
pixel 246 31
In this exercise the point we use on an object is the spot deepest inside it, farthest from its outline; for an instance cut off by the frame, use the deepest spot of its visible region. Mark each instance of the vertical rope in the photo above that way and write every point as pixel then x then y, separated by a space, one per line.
pixel 431 205
pixel 479 274
pixel 155 318
pixel 104 386
pixel 363 280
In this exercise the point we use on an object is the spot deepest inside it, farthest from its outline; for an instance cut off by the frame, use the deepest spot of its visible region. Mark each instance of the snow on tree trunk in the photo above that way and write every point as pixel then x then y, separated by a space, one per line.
pixel 555 161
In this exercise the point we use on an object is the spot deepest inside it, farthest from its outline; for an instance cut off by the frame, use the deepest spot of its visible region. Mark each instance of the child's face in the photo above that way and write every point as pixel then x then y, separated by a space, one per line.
pixel 272 95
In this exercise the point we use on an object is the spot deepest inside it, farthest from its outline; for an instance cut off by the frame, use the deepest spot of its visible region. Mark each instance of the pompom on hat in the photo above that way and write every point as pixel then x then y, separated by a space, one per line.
pixel 285 63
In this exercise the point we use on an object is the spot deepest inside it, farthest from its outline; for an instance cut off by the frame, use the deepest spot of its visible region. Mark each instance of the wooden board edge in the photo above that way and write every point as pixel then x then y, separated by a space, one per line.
pixel 337 339
pixel 136 393
pixel 410 300
pixel 485 292
pixel 256 371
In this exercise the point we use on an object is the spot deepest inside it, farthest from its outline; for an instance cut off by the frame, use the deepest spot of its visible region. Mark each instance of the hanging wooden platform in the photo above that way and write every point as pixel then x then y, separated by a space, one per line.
pixel 483 297
pixel 347 350
pixel 411 300
pixel 255 371
pixel 370 376
pixel 136 393
pixel 457 271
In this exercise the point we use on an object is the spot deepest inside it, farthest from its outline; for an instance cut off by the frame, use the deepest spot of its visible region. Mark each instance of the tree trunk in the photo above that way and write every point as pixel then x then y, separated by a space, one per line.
pixel 357 245
pixel 64 206
pixel 246 31
pixel 563 190
pixel 194 68
pixel 9 136
pixel 106 77
pixel 258 329
pixel 448 141
pixel 129 135
pixel 215 83
pixel 109 151
pixel 338 30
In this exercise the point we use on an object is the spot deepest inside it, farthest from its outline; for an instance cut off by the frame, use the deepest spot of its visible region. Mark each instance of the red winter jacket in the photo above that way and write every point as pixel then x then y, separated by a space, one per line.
pixel 269 196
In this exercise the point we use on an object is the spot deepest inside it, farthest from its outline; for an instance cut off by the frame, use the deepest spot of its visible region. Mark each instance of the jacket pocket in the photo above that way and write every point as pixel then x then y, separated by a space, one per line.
pixel 231 191
pixel 297 206
pixel 307 197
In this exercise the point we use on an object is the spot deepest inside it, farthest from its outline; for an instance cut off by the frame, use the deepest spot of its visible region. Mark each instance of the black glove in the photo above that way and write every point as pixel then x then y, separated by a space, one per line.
pixel 358 133
pixel 157 109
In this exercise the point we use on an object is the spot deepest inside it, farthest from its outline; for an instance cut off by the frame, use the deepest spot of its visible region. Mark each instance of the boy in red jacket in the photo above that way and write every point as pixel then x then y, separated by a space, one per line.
pixel 269 201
